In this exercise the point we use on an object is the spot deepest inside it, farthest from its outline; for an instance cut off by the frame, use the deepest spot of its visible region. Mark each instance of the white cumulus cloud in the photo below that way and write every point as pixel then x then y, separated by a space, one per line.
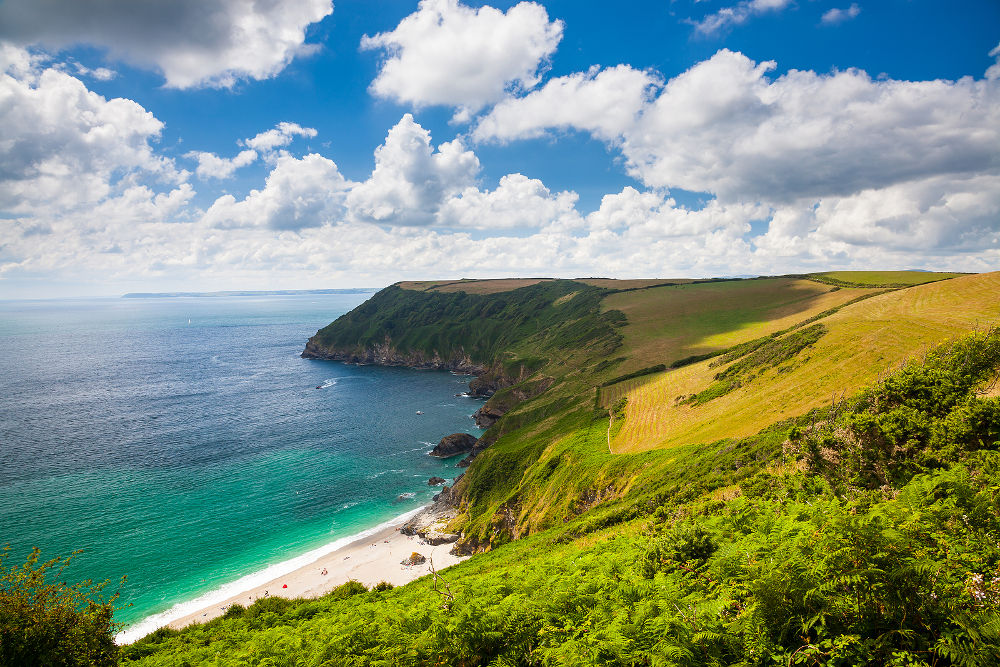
pixel 298 193
pixel 724 127
pixel 411 179
pixel 192 42
pixel 449 54
pixel 738 14
pixel 62 145
pixel 281 135
pixel 518 202
pixel 264 144
pixel 602 102
pixel 211 165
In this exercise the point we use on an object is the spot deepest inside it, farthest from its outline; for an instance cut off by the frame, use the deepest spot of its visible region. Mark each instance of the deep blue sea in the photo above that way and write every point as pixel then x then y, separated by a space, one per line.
pixel 184 443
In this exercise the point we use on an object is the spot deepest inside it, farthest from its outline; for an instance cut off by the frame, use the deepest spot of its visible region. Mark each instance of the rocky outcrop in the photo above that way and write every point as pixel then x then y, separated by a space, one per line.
pixel 485 386
pixel 477 449
pixel 453 445
pixel 434 481
pixel 385 354
pixel 431 525
pixel 487 416
pixel 414 559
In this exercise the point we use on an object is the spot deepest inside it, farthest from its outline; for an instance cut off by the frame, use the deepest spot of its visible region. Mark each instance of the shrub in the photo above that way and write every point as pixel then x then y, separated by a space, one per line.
pixel 47 623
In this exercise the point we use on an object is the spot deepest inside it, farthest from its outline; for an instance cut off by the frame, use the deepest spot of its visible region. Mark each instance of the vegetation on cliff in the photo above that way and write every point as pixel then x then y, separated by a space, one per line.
pixel 46 621
pixel 816 542
pixel 449 325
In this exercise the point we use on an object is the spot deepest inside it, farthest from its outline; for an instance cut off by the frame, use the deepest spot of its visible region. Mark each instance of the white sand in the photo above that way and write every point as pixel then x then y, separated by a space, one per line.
pixel 368 560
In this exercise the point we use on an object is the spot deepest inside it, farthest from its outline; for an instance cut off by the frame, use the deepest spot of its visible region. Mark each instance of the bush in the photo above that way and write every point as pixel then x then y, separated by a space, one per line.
pixel 48 623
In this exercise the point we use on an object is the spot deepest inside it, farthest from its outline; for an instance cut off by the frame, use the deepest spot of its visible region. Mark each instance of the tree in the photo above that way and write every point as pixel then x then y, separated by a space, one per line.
pixel 45 621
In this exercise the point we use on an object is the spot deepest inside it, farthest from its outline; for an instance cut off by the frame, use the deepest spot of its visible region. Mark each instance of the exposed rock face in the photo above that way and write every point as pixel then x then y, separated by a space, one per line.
pixel 487 416
pixel 508 398
pixel 385 354
pixel 484 387
pixel 434 481
pixel 453 445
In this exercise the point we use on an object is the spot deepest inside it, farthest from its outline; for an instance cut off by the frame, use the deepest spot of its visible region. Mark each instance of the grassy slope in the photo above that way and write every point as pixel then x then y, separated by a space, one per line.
pixel 552 460
pixel 884 278
pixel 543 316
pixel 863 340
pixel 669 323
pixel 679 568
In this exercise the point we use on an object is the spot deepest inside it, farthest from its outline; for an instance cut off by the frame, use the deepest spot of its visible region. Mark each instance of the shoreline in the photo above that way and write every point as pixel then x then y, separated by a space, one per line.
pixel 369 557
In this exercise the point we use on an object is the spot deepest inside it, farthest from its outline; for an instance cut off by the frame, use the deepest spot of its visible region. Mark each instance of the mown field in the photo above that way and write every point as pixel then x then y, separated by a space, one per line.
pixel 863 341
pixel 669 323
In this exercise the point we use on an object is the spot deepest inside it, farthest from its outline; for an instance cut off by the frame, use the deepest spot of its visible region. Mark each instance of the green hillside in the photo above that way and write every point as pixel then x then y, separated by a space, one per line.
pixel 730 472
pixel 865 535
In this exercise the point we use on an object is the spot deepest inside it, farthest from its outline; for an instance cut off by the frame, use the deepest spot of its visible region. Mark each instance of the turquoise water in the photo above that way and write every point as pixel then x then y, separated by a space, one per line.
pixel 183 442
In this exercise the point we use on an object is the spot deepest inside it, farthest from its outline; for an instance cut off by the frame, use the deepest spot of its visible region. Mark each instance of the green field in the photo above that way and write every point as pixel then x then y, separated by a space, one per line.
pixel 471 286
pixel 882 278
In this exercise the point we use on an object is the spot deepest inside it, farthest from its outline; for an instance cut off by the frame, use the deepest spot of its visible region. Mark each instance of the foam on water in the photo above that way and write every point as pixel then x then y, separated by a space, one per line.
pixel 226 591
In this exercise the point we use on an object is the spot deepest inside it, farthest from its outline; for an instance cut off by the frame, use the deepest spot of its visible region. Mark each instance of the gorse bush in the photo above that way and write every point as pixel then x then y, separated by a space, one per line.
pixel 923 417
pixel 45 621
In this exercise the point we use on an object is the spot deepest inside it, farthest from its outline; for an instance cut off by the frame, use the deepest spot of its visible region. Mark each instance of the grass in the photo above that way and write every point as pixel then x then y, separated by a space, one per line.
pixel 669 323
pixel 471 286
pixel 863 341
pixel 883 278
pixel 611 283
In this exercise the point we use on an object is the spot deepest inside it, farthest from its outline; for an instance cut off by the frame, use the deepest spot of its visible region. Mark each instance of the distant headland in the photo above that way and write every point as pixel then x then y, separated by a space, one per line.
pixel 278 292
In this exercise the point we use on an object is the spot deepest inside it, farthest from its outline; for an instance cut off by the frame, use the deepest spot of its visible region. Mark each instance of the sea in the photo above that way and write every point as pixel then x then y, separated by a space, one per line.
pixel 183 443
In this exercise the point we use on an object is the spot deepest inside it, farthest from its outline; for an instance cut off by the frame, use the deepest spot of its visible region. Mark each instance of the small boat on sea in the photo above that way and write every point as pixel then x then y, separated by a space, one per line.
pixel 420 412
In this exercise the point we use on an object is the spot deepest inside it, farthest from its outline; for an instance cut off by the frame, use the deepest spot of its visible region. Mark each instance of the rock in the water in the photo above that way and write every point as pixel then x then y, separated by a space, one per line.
pixel 453 445
pixel 414 559
pixel 435 481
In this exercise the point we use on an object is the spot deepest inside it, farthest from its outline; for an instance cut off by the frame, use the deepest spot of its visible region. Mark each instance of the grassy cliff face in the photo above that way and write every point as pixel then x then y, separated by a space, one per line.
pixel 486 329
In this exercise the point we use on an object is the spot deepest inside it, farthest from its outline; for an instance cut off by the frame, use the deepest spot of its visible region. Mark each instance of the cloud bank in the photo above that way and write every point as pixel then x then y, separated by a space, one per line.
pixel 799 172
pixel 192 42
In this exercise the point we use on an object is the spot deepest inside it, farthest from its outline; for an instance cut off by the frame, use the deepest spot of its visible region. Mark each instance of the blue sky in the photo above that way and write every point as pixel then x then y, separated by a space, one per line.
pixel 194 145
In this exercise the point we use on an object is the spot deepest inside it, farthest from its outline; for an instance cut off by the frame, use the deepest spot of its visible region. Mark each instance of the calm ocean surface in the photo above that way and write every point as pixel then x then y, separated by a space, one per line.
pixel 183 442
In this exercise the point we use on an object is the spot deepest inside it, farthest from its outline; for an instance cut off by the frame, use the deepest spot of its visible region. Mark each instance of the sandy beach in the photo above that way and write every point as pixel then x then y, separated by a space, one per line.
pixel 369 560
